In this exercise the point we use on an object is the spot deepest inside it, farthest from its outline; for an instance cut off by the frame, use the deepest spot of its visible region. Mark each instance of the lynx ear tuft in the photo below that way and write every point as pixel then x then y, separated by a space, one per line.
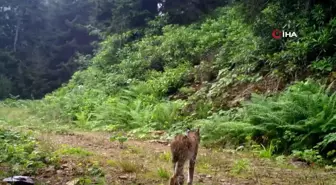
pixel 188 130
pixel 198 130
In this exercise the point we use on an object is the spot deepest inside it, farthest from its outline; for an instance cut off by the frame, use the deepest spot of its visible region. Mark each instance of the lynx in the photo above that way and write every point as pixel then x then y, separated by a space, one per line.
pixel 184 148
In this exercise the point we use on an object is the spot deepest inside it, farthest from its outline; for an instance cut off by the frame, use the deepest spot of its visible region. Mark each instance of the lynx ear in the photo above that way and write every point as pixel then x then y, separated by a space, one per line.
pixel 188 130
pixel 198 130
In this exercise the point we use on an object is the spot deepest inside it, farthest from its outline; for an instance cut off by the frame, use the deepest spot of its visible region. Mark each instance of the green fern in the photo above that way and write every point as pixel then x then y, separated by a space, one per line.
pixel 299 118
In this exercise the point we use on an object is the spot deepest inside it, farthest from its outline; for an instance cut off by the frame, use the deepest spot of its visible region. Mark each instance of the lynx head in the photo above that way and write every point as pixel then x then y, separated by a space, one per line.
pixel 194 134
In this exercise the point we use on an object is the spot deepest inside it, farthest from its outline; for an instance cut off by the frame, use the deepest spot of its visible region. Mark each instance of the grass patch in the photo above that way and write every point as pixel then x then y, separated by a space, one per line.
pixel 95 170
pixel 240 166
pixel 112 163
pixel 21 153
pixel 63 131
pixel 203 164
pixel 74 151
pixel 129 166
pixel 134 149
pixel 163 173
pixel 90 180
pixel 22 118
pixel 165 156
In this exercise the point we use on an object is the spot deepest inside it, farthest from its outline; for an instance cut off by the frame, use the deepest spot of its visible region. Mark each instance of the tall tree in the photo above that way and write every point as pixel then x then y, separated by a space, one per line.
pixel 38 41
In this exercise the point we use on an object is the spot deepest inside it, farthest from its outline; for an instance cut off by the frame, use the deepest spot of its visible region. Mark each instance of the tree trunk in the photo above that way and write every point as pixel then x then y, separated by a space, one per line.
pixel 16 33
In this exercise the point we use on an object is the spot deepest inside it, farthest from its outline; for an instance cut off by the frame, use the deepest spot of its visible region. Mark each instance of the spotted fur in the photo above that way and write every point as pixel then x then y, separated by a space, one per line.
pixel 184 148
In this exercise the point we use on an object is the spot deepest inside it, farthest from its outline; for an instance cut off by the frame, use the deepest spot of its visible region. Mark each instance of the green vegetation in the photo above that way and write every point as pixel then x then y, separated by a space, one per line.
pixel 21 153
pixel 163 173
pixel 303 117
pixel 240 166
pixel 213 65
pixel 128 166
pixel 120 138
pixel 148 84
pixel 74 151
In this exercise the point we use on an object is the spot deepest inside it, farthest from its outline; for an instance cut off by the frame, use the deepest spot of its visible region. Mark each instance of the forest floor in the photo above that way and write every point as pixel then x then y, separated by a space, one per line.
pixel 92 155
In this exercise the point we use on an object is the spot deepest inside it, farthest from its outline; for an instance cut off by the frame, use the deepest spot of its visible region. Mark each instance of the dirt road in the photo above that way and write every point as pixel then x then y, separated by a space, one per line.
pixel 93 155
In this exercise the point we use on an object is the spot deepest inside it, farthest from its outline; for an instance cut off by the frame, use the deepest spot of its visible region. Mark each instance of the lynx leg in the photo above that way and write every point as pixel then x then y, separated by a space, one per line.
pixel 181 179
pixel 174 161
pixel 191 171
pixel 178 172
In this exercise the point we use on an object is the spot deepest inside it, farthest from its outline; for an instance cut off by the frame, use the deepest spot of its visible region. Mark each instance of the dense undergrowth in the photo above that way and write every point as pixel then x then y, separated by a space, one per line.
pixel 21 153
pixel 193 75
pixel 298 119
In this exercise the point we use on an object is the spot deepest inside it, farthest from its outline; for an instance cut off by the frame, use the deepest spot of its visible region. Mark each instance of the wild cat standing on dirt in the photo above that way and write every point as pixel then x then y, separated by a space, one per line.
pixel 184 148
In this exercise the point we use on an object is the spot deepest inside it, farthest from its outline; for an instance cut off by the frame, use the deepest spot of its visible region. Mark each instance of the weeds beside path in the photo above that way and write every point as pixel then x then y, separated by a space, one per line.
pixel 91 158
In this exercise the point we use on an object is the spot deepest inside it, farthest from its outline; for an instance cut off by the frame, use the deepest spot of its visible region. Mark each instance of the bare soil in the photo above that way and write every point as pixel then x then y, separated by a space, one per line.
pixel 148 162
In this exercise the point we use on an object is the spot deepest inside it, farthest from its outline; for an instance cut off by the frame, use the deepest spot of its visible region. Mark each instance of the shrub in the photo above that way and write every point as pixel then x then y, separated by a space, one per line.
pixel 298 119
pixel 22 153
pixel 224 129
pixel 129 113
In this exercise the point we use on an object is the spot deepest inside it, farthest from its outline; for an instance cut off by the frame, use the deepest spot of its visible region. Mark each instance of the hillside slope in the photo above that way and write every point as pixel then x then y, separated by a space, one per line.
pixel 225 74
pixel 192 76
